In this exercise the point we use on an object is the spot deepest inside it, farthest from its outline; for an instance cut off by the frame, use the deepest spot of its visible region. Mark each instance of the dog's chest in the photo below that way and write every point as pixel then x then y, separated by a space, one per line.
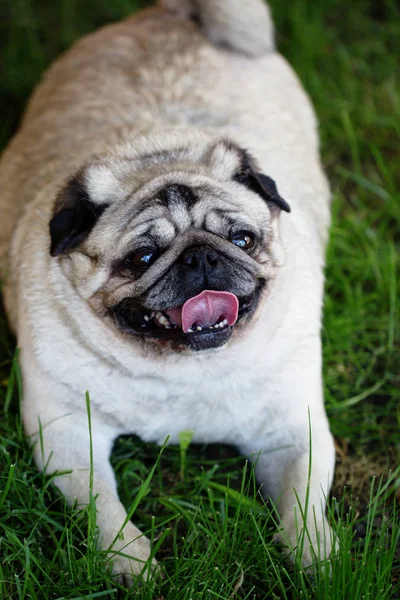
pixel 215 404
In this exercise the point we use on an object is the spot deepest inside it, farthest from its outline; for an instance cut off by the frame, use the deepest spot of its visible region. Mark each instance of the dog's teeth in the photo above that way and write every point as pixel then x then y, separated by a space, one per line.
pixel 224 322
pixel 152 314
pixel 162 320
pixel 198 328
pixel 146 318
pixel 190 331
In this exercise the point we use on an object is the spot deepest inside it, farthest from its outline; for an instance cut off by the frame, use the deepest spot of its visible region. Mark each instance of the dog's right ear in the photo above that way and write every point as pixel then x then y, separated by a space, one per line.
pixel 74 217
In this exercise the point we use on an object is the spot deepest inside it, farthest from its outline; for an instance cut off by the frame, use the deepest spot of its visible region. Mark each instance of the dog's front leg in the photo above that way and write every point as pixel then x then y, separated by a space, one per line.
pixel 60 435
pixel 298 487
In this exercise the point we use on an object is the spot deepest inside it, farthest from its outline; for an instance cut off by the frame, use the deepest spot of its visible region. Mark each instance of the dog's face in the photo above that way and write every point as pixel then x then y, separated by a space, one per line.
pixel 174 247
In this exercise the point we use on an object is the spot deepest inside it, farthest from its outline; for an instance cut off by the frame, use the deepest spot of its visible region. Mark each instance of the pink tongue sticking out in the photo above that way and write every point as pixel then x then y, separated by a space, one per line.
pixel 206 309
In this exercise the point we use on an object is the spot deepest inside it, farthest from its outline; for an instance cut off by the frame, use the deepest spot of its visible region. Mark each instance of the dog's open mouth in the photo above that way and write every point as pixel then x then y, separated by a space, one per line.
pixel 202 322
pixel 207 310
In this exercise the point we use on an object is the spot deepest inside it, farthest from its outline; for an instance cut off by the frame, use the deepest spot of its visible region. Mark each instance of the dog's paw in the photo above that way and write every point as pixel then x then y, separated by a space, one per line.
pixel 127 570
pixel 130 558
pixel 310 545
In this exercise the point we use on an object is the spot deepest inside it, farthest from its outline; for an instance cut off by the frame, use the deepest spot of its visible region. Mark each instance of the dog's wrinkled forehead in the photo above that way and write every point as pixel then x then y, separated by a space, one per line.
pixel 153 197
pixel 115 176
pixel 158 216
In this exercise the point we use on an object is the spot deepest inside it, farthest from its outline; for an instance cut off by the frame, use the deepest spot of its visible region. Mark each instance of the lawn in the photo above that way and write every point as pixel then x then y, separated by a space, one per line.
pixel 212 534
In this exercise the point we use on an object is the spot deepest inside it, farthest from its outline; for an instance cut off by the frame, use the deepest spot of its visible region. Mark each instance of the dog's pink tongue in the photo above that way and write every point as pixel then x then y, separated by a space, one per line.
pixel 206 309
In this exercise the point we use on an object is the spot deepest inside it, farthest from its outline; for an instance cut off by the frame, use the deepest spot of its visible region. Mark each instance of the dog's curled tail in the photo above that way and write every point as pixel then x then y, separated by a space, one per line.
pixel 241 25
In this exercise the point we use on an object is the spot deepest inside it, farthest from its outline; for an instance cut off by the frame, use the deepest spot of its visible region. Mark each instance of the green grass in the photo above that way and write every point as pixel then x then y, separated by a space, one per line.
pixel 212 533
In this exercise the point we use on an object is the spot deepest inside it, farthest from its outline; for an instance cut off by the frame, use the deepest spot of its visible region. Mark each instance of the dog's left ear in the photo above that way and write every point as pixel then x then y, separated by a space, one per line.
pixel 249 175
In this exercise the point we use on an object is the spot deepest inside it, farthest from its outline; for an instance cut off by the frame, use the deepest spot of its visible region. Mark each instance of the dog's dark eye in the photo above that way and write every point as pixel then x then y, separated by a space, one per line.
pixel 140 260
pixel 243 240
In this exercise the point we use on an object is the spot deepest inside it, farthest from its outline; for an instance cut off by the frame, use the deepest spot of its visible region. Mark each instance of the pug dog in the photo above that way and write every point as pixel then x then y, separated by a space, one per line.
pixel 164 220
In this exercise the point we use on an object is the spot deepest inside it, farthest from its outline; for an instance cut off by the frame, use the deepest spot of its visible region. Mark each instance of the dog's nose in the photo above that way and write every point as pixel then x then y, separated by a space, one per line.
pixel 202 256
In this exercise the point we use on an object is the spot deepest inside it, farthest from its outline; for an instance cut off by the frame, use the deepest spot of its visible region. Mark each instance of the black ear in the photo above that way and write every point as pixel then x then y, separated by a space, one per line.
pixel 257 182
pixel 75 215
